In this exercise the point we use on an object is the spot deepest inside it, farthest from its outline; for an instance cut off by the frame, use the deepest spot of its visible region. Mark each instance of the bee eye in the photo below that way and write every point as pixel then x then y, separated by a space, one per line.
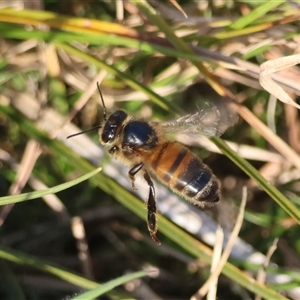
pixel 113 126
pixel 113 150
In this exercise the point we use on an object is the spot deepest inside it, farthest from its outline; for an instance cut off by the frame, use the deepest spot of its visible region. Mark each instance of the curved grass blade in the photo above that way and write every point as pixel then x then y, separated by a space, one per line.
pixel 106 287
pixel 37 194
pixel 259 11
pixel 20 258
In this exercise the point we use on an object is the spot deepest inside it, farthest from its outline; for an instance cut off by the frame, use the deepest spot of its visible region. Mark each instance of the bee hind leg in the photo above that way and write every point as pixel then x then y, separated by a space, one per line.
pixel 132 172
pixel 151 205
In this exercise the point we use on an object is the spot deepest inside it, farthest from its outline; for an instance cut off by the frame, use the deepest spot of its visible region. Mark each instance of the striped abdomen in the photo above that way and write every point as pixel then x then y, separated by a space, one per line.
pixel 183 172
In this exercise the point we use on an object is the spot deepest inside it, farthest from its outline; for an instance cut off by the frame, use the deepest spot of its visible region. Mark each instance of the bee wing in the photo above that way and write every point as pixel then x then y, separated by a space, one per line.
pixel 211 119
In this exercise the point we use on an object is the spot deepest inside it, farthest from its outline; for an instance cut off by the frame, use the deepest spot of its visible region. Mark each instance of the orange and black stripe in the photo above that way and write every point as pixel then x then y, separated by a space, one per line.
pixel 181 170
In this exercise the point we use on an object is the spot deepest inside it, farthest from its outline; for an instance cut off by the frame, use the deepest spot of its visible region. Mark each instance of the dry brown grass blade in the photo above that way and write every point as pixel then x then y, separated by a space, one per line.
pixel 261 275
pixel 84 256
pixel 269 135
pixel 217 271
pixel 31 154
pixel 175 3
pixel 85 97
pixel 293 126
pixel 267 82
pixel 217 254
pixel 51 200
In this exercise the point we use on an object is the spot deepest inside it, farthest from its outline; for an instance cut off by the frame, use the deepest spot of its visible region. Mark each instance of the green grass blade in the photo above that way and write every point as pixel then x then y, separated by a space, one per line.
pixel 20 258
pixel 11 283
pixel 160 101
pixel 11 31
pixel 178 43
pixel 255 175
pixel 37 194
pixel 104 288
pixel 255 14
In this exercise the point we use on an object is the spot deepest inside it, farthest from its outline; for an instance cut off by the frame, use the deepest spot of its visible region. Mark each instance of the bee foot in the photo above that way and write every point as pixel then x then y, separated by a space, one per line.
pixel 155 239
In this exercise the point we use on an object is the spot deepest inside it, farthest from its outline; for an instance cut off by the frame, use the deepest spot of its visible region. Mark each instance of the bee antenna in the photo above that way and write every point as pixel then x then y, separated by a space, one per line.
pixel 101 96
pixel 84 131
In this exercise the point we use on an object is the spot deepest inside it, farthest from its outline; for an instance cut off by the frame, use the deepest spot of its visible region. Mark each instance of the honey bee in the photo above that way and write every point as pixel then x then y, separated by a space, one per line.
pixel 144 148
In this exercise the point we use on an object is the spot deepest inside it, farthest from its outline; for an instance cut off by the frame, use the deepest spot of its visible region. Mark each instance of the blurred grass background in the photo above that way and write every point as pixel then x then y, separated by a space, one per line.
pixel 52 54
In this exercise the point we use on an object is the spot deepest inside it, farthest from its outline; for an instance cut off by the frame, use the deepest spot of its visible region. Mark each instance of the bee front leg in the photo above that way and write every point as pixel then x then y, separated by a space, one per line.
pixel 132 172
pixel 151 205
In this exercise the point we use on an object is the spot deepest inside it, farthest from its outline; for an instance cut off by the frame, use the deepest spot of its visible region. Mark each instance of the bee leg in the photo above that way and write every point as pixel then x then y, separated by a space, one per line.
pixel 151 205
pixel 132 172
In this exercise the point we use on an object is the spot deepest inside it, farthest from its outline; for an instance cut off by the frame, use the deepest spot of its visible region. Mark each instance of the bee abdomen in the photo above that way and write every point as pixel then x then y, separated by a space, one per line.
pixel 183 172
pixel 197 182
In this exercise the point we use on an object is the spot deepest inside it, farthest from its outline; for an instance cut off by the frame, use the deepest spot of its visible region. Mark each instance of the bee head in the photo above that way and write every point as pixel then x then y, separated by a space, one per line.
pixel 112 126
